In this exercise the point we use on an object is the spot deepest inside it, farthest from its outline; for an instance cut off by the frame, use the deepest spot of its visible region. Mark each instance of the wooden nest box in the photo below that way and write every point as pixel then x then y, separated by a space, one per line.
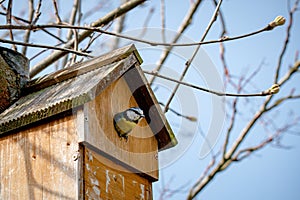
pixel 58 141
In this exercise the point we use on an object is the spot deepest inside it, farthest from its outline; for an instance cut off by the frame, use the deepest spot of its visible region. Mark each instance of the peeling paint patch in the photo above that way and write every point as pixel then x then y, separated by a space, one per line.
pixel 94 181
pixel 134 182
pixel 123 181
pixel 142 194
pixel 87 166
pixel 107 180
pixel 90 156
pixel 96 190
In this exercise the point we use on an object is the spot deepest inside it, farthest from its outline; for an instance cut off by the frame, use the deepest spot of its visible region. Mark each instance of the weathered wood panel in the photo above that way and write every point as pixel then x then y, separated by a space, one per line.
pixel 38 163
pixel 141 149
pixel 104 179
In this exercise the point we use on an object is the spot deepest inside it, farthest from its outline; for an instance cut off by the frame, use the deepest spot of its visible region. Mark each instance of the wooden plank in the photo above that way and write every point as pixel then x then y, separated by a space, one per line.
pixel 140 151
pixel 37 163
pixel 106 180
pixel 4 171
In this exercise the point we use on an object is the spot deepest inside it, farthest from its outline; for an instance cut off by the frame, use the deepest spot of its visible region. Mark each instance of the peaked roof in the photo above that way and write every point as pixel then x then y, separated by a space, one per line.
pixel 71 87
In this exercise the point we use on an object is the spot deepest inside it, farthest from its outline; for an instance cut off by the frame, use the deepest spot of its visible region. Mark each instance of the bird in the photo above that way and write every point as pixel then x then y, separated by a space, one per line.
pixel 125 121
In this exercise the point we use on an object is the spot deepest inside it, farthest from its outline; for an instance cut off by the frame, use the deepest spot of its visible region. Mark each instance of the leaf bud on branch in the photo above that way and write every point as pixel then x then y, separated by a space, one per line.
pixel 278 21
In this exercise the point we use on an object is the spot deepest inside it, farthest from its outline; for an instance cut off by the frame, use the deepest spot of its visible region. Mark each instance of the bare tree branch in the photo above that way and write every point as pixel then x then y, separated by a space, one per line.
pixel 65 50
pixel 167 192
pixel 244 153
pixel 27 33
pixel 222 46
pixel 291 14
pixel 118 28
pixel 37 13
pixel 218 93
pixel 58 19
pixel 189 62
pixel 74 12
pixel 8 21
pixel 32 19
pixel 184 25
pixel 84 34
pixel 190 118
pixel 30 27
pixel 97 29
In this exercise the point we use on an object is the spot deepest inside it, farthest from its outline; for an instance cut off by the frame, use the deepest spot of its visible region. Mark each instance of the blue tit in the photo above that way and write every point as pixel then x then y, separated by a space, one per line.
pixel 125 121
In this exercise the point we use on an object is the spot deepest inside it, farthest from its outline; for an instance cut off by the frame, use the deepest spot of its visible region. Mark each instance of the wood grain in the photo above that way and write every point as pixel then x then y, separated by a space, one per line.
pixel 106 180
pixel 140 151
pixel 37 163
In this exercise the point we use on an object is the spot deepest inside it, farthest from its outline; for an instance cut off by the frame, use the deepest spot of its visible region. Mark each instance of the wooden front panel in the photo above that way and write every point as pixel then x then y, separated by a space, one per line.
pixel 141 149
pixel 38 163
pixel 104 179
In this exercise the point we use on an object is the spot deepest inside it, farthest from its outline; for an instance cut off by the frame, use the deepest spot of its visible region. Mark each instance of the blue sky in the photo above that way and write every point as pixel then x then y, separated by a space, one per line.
pixel 271 173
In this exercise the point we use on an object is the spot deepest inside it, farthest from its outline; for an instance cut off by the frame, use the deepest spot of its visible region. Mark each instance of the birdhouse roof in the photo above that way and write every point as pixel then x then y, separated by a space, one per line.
pixel 74 86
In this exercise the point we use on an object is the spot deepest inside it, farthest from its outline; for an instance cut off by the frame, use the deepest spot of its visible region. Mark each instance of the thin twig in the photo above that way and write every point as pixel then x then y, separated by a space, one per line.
pixel 118 28
pixel 182 28
pixel 73 17
pixel 29 27
pixel 46 47
pixel 244 153
pixel 230 127
pixel 13 16
pixel 72 22
pixel 45 50
pixel 222 46
pixel 242 84
pixel 189 62
pixel 91 41
pixel 166 192
pixel 190 118
pixel 84 34
pixel 79 12
pixel 281 100
pixel 205 177
pixel 58 19
pixel 218 93
pixel 294 69
pixel 31 12
pixel 73 60
pixel 8 21
pixel 145 24
pixel 152 43
pixel 288 30
pixel 37 13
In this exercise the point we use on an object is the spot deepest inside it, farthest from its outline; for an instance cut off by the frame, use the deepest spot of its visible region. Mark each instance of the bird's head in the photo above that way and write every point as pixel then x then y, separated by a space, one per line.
pixel 134 114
